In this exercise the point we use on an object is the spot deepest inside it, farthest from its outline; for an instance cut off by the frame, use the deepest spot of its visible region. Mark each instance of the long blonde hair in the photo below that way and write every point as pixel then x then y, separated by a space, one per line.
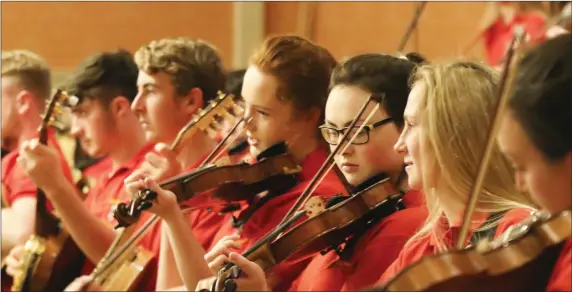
pixel 456 112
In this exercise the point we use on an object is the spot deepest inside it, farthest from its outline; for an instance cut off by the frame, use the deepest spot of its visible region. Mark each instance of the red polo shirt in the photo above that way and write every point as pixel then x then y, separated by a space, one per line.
pixel 373 253
pixel 498 36
pixel 417 249
pixel 108 190
pixel 561 279
pixel 17 183
pixel 272 212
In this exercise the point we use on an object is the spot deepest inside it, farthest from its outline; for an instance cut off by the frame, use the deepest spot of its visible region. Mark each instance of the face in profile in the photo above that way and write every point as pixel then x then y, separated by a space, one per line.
pixel 93 125
pixel 409 143
pixel 10 117
pixel 271 120
pixel 158 108
pixel 372 151
pixel 548 182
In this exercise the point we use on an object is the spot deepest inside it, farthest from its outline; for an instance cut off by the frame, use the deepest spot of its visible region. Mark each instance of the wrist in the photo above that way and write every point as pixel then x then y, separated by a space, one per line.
pixel 57 185
pixel 173 217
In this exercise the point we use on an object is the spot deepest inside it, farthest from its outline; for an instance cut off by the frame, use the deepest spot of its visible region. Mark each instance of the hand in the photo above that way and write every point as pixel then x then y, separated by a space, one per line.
pixel 218 255
pixel 14 261
pixel 159 165
pixel 252 277
pixel 79 284
pixel 41 163
pixel 165 205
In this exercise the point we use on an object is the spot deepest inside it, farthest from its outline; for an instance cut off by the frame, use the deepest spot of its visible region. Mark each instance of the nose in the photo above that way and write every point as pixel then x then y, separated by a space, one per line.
pixel 400 146
pixel 138 103
pixel 76 130
pixel 249 120
pixel 345 148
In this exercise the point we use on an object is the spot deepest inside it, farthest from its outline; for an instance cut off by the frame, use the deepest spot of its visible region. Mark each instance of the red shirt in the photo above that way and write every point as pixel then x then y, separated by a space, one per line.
pixel 17 183
pixel 561 279
pixel 108 190
pixel 372 254
pixel 417 249
pixel 498 36
pixel 273 211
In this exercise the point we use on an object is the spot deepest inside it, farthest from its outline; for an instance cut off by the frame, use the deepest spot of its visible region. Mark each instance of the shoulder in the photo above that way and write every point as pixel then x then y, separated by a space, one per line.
pixel 402 223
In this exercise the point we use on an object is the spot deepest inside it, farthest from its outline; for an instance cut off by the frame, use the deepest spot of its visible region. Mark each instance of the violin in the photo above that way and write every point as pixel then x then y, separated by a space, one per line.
pixel 521 259
pixel 275 170
pixel 328 228
pixel 50 248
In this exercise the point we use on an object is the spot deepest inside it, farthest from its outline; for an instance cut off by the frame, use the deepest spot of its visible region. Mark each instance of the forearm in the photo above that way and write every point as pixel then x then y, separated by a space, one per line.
pixel 90 233
pixel 187 251
pixel 168 275
pixel 15 229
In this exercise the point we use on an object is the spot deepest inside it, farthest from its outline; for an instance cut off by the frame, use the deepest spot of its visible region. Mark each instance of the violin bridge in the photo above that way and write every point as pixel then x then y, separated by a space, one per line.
pixel 314 206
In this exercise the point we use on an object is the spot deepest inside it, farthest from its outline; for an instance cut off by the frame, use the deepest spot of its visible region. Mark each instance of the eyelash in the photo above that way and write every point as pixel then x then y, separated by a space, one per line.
pixel 262 113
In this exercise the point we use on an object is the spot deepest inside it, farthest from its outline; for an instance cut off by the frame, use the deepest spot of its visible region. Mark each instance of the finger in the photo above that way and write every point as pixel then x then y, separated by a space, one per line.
pixel 218 262
pixel 13 262
pixel 154 161
pixel 134 187
pixel 250 268
pixel 137 175
pixel 17 251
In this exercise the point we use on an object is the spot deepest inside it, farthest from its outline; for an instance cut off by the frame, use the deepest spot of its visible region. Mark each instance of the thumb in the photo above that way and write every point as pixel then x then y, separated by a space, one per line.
pixel 165 151
pixel 243 263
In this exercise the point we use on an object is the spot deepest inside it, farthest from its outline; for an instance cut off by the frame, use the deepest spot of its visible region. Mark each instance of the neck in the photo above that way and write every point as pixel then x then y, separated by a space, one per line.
pixel 194 148
pixel 453 209
pixel 301 149
pixel 130 142
pixel 29 130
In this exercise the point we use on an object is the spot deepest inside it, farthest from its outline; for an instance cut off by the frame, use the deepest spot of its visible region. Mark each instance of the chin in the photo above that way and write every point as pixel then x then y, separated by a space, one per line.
pixel 414 183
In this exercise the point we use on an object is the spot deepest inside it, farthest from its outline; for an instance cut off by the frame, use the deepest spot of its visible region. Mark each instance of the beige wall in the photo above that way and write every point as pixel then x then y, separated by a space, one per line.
pixel 66 32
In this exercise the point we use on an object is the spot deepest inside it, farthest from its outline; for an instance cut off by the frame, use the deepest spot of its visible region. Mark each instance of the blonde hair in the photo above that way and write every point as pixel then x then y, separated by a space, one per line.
pixel 456 111
pixel 32 72
pixel 189 62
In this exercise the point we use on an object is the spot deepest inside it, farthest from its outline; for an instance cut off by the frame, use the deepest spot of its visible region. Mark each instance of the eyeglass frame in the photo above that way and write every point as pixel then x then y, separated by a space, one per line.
pixel 368 128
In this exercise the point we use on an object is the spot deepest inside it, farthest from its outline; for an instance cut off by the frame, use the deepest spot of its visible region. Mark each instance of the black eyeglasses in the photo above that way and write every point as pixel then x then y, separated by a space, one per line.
pixel 332 135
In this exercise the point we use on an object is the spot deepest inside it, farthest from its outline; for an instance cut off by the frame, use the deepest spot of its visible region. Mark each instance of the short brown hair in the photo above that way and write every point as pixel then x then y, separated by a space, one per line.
pixel 191 63
pixel 301 68
pixel 31 70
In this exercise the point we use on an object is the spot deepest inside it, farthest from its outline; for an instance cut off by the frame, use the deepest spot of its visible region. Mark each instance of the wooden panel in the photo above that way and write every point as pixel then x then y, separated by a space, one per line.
pixel 66 32
pixel 349 28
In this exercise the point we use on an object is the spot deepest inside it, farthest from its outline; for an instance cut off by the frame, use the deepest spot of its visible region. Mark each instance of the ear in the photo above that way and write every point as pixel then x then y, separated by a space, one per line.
pixel 24 102
pixel 193 101
pixel 120 106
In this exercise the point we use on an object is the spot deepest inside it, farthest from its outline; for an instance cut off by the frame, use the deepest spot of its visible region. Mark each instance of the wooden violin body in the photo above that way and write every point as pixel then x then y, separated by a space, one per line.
pixel 328 228
pixel 521 260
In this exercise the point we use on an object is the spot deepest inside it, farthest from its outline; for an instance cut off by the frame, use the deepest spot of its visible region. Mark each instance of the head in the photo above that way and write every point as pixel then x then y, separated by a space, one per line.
pixel 447 119
pixel 177 77
pixel 536 133
pixel 26 85
pixel 285 90
pixel 352 83
pixel 106 84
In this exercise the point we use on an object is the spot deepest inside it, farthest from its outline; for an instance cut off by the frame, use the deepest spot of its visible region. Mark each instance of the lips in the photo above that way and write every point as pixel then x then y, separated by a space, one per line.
pixel 251 141
pixel 349 167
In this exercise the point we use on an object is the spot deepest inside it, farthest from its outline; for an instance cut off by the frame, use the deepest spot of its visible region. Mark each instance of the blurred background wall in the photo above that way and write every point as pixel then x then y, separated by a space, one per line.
pixel 64 33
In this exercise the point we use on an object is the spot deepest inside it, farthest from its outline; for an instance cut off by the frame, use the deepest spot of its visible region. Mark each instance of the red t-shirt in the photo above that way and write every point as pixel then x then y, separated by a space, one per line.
pixel 417 249
pixel 561 279
pixel 498 36
pixel 372 254
pixel 17 183
pixel 273 211
pixel 108 190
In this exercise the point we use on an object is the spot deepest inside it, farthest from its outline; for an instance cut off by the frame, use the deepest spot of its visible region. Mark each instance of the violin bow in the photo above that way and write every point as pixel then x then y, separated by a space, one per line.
pixel 411 27
pixel 503 93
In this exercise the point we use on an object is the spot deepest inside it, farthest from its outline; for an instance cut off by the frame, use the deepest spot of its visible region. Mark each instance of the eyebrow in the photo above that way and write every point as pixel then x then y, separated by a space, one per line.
pixel 261 107
pixel 149 86
pixel 346 124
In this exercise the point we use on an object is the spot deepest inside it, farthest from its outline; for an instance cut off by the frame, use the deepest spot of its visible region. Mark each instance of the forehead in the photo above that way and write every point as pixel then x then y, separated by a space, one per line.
pixel 344 103
pixel 159 79
pixel 415 100
pixel 259 88
pixel 511 137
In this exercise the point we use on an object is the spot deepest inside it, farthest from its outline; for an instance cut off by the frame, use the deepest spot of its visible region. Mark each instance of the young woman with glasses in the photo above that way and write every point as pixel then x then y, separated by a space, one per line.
pixel 361 260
